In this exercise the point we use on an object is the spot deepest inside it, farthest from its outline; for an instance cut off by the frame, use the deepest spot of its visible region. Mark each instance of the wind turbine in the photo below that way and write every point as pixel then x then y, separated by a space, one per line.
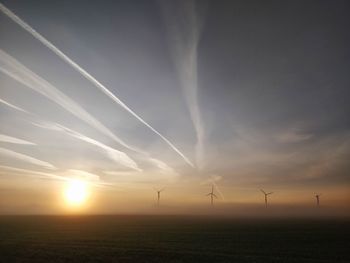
pixel 158 195
pixel 266 194
pixel 212 195
pixel 318 199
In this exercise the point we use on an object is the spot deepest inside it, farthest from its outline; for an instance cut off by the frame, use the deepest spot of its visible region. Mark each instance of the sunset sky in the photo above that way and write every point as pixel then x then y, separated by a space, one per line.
pixel 150 94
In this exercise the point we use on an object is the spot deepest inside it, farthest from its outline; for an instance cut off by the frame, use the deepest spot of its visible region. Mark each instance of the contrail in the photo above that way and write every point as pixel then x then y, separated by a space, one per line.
pixel 13 106
pixel 162 166
pixel 87 176
pixel 31 172
pixel 26 158
pixel 89 77
pixel 16 70
pixel 115 155
pixel 112 153
pixel 10 139
pixel 80 174
pixel 184 26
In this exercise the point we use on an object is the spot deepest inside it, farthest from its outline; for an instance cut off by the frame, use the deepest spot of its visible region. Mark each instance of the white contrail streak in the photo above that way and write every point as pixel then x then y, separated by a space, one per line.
pixel 13 106
pixel 90 178
pixel 113 154
pixel 184 30
pixel 26 158
pixel 89 77
pixel 16 70
pixel 31 172
pixel 10 139
pixel 162 166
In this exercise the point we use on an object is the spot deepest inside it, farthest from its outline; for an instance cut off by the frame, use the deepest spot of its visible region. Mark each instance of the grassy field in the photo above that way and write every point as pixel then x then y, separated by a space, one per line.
pixel 171 239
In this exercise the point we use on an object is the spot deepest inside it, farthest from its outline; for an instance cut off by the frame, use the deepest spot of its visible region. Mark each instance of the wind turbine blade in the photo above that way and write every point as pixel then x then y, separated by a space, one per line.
pixel 263 191
pixel 215 196
pixel 270 193
pixel 208 194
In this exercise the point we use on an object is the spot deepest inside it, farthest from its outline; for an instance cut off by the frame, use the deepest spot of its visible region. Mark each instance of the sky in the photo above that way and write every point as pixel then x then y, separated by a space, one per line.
pixel 134 96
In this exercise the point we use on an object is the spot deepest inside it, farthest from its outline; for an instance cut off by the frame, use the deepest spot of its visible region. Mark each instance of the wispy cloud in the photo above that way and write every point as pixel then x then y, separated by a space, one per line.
pixel 89 77
pixel 115 155
pixel 184 26
pixel 16 70
pixel 125 175
pixel 293 136
pixel 26 158
pixel 162 166
pixel 83 175
pixel 68 175
pixel 10 139
pixel 12 106
pixel 130 177
pixel 32 173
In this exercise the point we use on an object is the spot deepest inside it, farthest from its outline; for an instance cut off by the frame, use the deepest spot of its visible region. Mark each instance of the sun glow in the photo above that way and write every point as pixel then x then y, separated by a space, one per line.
pixel 76 192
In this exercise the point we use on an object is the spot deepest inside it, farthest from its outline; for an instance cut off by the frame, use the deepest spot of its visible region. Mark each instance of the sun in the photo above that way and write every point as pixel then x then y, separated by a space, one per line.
pixel 76 192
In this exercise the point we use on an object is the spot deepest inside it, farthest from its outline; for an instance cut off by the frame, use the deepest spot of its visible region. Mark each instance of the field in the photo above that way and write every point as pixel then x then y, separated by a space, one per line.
pixel 171 239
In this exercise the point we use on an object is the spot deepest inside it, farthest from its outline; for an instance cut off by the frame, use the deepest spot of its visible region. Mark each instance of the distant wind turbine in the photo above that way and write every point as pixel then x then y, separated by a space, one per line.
pixel 212 195
pixel 266 194
pixel 318 199
pixel 158 195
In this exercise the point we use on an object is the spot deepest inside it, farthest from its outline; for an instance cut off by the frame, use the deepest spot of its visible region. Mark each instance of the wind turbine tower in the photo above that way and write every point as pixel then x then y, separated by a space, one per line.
pixel 212 195
pixel 318 199
pixel 265 194
pixel 158 196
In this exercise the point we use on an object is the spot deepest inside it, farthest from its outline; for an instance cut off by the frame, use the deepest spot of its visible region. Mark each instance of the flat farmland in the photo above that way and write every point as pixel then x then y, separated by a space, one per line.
pixel 137 238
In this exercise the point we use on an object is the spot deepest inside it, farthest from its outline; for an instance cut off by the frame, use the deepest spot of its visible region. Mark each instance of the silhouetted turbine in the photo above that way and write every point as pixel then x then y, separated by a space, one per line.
pixel 158 196
pixel 266 194
pixel 212 195
pixel 318 199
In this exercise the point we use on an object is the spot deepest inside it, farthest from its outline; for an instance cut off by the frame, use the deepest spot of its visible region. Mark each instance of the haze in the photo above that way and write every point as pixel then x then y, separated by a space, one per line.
pixel 180 95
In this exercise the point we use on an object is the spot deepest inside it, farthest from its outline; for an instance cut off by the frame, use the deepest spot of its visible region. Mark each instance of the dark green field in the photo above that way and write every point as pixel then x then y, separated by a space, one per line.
pixel 171 239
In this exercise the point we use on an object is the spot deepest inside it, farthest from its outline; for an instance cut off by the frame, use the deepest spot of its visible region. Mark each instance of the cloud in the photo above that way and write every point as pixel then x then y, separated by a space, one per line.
pixel 211 179
pixel 22 74
pixel 9 139
pixel 126 175
pixel 68 175
pixel 92 179
pixel 90 78
pixel 26 158
pixel 130 177
pixel 332 160
pixel 82 175
pixel 184 28
pixel 32 173
pixel 13 106
pixel 162 166
pixel 28 78
pixel 115 155
pixel 293 136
